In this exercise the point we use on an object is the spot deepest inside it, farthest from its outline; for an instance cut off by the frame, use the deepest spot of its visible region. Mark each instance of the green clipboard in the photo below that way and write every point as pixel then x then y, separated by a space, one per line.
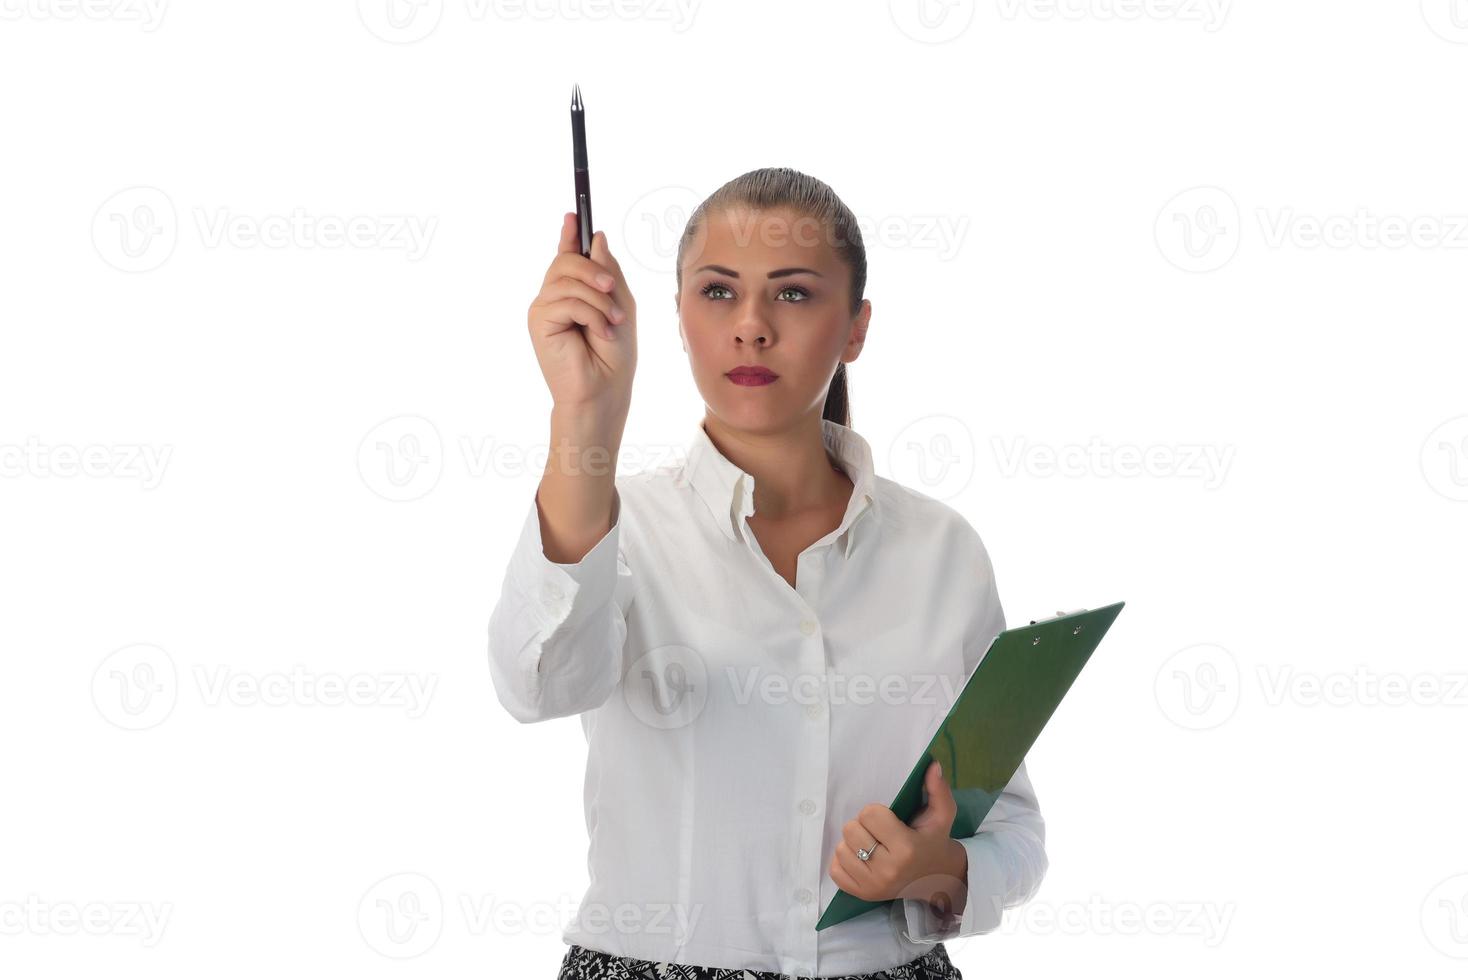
pixel 993 722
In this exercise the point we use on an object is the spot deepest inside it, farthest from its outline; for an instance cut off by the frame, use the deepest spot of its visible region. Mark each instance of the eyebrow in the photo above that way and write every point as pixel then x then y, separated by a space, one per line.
pixel 721 270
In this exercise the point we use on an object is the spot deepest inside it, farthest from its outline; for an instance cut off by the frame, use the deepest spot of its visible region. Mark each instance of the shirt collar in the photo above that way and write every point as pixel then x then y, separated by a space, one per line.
pixel 729 491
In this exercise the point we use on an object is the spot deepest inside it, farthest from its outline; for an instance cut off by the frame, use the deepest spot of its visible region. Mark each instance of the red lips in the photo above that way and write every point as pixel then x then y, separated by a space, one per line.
pixel 752 372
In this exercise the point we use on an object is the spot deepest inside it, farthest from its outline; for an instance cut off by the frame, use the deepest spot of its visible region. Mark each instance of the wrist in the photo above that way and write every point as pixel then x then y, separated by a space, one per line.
pixel 585 441
pixel 947 889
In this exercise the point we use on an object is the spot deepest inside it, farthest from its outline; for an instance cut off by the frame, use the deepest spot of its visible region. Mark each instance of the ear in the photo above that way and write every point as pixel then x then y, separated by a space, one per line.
pixel 678 313
pixel 858 331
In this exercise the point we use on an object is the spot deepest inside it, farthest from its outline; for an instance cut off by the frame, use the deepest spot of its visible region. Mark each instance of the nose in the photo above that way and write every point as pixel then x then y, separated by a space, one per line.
pixel 752 327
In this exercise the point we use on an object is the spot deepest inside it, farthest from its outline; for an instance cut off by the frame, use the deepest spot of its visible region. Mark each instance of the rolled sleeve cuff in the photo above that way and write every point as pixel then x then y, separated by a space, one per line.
pixel 983 908
pixel 560 596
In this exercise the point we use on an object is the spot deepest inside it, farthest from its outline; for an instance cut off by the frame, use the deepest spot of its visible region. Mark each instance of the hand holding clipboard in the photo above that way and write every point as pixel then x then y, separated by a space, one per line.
pixel 1001 710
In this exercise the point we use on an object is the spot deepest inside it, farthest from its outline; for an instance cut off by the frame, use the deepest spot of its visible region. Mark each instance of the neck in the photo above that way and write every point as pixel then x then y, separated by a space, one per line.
pixel 792 469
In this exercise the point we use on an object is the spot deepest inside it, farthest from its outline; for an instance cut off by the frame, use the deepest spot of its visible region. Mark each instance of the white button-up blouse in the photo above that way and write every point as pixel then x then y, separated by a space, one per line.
pixel 735 723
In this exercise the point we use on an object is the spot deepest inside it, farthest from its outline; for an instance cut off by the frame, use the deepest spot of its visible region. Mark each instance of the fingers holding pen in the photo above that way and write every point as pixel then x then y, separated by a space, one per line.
pixel 596 281
pixel 597 299
pixel 569 261
pixel 566 312
pixel 620 291
pixel 586 362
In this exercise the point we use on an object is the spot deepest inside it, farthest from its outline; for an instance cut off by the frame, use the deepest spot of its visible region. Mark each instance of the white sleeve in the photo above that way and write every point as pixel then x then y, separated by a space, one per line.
pixel 1006 863
pixel 1006 856
pixel 556 635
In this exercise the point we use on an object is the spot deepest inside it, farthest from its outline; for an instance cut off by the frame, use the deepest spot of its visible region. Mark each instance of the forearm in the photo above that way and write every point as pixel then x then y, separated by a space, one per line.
pixel 577 491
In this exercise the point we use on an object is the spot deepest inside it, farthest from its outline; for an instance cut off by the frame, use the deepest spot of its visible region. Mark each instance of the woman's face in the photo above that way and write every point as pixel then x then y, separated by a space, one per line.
pixel 766 289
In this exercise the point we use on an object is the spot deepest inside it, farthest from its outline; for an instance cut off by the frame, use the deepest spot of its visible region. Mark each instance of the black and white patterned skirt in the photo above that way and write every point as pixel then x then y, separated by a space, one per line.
pixel 590 964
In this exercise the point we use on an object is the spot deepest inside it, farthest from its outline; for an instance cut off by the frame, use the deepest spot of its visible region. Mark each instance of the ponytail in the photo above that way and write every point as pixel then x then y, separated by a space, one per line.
pixel 838 408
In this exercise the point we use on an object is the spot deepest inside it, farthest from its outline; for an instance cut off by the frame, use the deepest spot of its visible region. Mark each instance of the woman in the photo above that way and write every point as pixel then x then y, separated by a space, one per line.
pixel 760 639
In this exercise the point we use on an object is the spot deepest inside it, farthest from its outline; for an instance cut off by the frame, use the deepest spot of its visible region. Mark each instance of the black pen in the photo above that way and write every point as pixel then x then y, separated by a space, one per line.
pixel 583 176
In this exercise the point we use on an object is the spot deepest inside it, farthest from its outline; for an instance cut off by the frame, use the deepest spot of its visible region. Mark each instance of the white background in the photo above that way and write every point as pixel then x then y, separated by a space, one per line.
pixel 1224 240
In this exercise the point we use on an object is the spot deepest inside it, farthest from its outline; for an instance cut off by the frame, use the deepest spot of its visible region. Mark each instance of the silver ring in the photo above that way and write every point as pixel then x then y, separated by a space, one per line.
pixel 863 854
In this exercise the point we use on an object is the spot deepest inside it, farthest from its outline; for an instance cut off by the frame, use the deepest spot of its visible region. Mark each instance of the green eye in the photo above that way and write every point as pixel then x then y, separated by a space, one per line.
pixel 800 292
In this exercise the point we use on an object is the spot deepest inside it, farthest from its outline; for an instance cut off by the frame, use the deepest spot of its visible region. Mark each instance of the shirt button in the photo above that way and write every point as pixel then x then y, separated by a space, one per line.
pixel 807 807
pixel 813 710
pixel 807 626
pixel 803 896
